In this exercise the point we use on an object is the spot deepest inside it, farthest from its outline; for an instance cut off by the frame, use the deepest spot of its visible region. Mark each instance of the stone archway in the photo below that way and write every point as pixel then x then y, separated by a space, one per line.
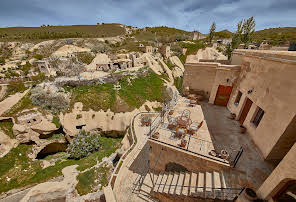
pixel 51 148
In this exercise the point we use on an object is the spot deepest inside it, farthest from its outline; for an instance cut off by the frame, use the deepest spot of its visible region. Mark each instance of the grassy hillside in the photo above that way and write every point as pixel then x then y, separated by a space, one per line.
pixel 162 34
pixel 223 34
pixel 57 32
pixel 276 36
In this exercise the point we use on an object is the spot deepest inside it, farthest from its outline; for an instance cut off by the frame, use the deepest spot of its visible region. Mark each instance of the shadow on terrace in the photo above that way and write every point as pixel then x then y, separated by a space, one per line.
pixel 205 130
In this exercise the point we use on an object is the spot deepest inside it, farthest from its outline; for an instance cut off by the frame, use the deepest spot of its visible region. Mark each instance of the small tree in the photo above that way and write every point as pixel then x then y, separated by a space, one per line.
pixel 83 145
pixel 244 34
pixel 248 29
pixel 212 31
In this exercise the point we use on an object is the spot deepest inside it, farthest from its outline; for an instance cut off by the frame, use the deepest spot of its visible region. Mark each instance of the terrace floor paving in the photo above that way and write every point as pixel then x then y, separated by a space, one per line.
pixel 134 183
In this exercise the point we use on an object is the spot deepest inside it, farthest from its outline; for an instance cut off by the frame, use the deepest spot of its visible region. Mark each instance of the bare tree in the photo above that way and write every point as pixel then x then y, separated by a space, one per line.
pixel 212 31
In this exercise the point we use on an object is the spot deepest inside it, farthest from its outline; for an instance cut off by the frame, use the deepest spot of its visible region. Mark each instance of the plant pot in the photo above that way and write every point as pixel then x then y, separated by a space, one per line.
pixel 213 153
pixel 232 116
pixel 250 194
pixel 242 129
pixel 156 135
pixel 224 154
pixel 183 143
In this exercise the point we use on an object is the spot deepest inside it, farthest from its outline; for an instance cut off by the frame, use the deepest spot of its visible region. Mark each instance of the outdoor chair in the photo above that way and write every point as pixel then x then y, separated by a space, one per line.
pixel 193 128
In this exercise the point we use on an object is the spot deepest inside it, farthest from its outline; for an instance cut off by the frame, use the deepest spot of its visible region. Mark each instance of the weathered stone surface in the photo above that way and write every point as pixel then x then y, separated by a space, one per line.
pixel 44 127
pixel 6 144
pixel 54 191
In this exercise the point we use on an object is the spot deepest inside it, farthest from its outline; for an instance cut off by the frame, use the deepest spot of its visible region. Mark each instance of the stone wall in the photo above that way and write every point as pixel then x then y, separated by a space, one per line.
pixel 226 76
pixel 200 77
pixel 160 155
pixel 283 173
pixel 269 81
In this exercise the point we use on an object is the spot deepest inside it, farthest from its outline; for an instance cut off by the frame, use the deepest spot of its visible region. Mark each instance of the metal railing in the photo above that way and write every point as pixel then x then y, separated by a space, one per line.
pixel 229 193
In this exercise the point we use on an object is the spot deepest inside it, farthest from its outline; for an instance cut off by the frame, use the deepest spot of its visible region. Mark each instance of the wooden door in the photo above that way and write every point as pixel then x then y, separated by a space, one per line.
pixel 245 111
pixel 223 95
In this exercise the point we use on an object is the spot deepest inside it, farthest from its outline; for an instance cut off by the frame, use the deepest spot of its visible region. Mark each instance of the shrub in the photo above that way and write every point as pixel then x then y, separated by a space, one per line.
pixel 83 145
pixel 56 102
pixel 101 48
pixel 38 57
pixel 26 68
pixel 85 57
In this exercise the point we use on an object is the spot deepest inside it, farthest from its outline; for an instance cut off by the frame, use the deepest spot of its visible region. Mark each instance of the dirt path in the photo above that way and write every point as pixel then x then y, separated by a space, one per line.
pixel 10 101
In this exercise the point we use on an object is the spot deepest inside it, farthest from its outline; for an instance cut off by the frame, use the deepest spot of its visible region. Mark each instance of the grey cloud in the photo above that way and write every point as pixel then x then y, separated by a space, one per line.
pixel 187 14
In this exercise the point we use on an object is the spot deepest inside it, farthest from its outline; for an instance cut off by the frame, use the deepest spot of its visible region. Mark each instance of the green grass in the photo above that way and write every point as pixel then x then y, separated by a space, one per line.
pixel 276 36
pixel 13 88
pixel 149 88
pixel 178 82
pixel 94 97
pixel 24 103
pixel 162 34
pixel 170 65
pixel 104 97
pixel 56 121
pixel 89 180
pixel 13 165
pixel 192 48
pixel 85 57
pixel 56 136
pixel 6 127
pixel 59 32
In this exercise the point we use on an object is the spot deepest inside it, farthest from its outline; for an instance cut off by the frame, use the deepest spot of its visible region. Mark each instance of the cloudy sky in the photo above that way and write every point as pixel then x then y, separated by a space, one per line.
pixel 184 14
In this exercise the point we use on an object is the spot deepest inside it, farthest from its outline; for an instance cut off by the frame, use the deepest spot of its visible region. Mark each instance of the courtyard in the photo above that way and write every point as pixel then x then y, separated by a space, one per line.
pixel 216 133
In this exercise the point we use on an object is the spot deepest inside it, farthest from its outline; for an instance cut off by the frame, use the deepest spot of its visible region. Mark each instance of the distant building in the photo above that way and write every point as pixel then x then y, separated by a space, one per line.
pixel 45 67
pixel 145 49
pixel 165 51
pixel 197 35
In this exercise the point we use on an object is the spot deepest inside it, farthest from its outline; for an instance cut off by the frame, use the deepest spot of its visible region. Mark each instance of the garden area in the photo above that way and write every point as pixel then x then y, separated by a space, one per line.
pixel 18 170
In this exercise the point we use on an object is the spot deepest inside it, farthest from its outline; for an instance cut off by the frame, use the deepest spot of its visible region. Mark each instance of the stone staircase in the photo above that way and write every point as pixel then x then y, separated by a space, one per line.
pixel 207 185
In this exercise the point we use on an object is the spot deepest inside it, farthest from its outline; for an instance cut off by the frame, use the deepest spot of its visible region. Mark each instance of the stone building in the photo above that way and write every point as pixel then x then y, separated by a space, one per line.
pixel 44 67
pixel 197 35
pixel 258 86
pixel 145 49
pixel 165 51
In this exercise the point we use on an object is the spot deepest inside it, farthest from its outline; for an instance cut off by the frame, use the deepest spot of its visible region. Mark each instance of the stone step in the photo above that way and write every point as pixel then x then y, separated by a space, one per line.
pixel 180 184
pixel 217 185
pixel 168 183
pixel 223 185
pixel 209 185
pixel 193 184
pixel 186 184
pixel 163 182
pixel 158 180
pixel 201 182
pixel 174 183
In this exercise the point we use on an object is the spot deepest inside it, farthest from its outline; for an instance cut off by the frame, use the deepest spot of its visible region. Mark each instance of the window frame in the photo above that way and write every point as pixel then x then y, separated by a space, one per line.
pixel 258 115
pixel 238 98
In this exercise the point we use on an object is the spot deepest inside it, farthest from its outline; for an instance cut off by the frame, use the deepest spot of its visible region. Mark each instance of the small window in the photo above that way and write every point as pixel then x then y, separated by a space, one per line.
pixel 238 97
pixel 258 116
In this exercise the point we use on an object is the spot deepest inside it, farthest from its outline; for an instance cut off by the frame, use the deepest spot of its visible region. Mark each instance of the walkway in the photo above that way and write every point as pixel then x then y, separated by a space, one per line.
pixel 133 172
pixel 10 101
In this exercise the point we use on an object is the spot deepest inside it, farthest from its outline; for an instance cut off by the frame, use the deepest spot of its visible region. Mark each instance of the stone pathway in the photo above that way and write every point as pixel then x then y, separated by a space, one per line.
pixel 10 101
pixel 133 183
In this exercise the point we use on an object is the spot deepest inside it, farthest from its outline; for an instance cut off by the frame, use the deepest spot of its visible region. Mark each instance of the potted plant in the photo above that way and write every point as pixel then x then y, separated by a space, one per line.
pixel 242 129
pixel 213 153
pixel 232 116
pixel 156 135
pixel 224 154
pixel 250 194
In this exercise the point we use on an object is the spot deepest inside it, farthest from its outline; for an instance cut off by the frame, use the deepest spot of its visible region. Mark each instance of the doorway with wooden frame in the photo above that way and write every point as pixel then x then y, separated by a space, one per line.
pixel 223 95
pixel 245 111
